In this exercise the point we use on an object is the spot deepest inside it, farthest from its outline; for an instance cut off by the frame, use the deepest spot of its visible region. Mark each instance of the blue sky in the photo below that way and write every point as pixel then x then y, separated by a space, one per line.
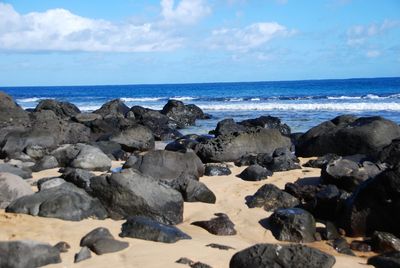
pixel 75 42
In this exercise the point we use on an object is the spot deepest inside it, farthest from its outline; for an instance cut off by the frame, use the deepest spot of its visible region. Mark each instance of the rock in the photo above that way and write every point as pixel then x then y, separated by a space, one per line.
pixel 200 265
pixel 229 148
pixel 227 127
pixel 269 255
pixel 148 229
pixel 80 177
pixel 385 242
pixel 82 255
pixel 218 246
pixel 304 193
pixel 390 154
pixel 184 115
pixel 268 122
pixel 12 187
pixel 112 149
pixel 341 246
pixel 293 224
pixel 11 113
pixel 185 261
pixel 82 156
pixel 328 202
pixel 66 202
pixel 360 246
pixel 282 160
pixel 217 170
pixel 36 151
pixel 321 161
pixel 386 260
pixel 135 138
pixel 168 165
pixel 249 159
pixel 374 206
pixel 330 232
pixel 366 135
pixel 130 193
pixel 221 225
pixel 86 117
pixel 23 173
pixel 255 173
pixel 113 108
pixel 271 198
pixel 47 183
pixel 347 174
pixel 101 241
pixel 61 109
pixel 62 246
pixel 192 190
pixel 47 162
pixel 27 254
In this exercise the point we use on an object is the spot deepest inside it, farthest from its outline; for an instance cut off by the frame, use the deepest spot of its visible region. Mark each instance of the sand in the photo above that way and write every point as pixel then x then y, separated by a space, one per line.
pixel 230 191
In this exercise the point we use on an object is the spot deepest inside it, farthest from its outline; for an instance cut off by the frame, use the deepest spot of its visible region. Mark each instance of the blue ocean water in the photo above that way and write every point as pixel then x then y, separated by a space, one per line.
pixel 300 104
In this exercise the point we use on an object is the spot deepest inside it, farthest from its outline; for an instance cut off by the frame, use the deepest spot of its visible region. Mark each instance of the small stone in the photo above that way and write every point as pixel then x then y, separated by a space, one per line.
pixel 62 246
pixel 221 225
pixel 360 246
pixel 218 246
pixel 184 261
pixel 341 246
pixel 82 255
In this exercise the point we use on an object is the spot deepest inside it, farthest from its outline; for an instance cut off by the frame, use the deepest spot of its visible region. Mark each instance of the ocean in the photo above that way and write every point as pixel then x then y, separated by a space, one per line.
pixel 300 104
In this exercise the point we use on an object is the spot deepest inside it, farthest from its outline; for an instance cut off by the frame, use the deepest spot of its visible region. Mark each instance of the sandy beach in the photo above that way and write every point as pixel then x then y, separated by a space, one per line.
pixel 230 191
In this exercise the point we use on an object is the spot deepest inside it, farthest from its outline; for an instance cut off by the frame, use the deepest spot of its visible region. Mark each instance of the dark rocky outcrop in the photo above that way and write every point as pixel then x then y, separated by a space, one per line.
pixel 269 122
pixel 348 135
pixel 148 229
pixel 134 138
pixel 62 246
pixel 228 126
pixel 386 260
pixel 217 170
pixel 47 162
pixel 271 198
pixel 130 193
pixel 321 161
pixel 292 224
pixel 281 160
pixel 12 187
pixel 184 115
pixel 255 173
pixel 27 254
pixel 112 109
pixel 229 148
pixel 385 242
pixel 340 245
pixel 221 225
pixel 101 241
pixel 23 173
pixel 290 256
pixel 80 177
pixel 61 109
pixel 11 114
pixel 66 202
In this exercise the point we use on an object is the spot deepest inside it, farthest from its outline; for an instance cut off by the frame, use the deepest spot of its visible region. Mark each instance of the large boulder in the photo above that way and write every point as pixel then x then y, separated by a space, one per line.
pixel 23 173
pixel 61 109
pixel 255 173
pixel 269 122
pixel 27 254
pixel 66 202
pixel 184 115
pixel 288 256
pixel 293 224
pixel 82 156
pixel 348 135
pixel 11 113
pixel 228 126
pixel 101 241
pixel 229 148
pixel 135 138
pixel 130 193
pixel 390 154
pixel 271 198
pixel 374 206
pixel 12 187
pixel 386 260
pixel 113 108
pixel 161 164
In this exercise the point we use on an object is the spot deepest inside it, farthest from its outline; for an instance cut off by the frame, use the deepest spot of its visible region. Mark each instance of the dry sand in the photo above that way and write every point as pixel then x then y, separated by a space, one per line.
pixel 230 191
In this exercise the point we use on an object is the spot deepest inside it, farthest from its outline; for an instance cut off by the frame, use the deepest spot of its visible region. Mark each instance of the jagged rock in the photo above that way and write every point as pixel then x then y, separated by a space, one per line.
pixel 101 241
pixel 293 224
pixel 12 187
pixel 184 115
pixel 282 160
pixel 268 122
pixel 217 170
pixel 66 202
pixel 341 246
pixel 61 109
pixel 321 161
pixel 385 242
pixel 27 254
pixel 113 108
pixel 80 177
pixel 148 229
pixel 221 225
pixel 291 256
pixel 255 173
pixel 82 255
pixel 130 193
pixel 271 198
pixel 228 126
pixel 135 138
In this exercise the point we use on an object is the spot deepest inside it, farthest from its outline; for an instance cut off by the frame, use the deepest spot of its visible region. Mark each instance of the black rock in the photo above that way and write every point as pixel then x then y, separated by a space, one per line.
pixel 228 126
pixel 148 229
pixel 66 202
pixel 330 231
pixel 292 224
pixel 112 149
pixel 61 109
pixel 114 108
pixel 218 246
pixel 385 242
pixel 282 160
pixel 27 254
pixel 321 161
pixel 341 246
pixel 80 177
pixel 130 193
pixel 94 235
pixel 101 241
pixel 134 138
pixel 184 115
pixel 11 113
pixel 221 225
pixel 386 260
pixel 268 122
pixel 255 173
pixel 360 246
pixel 248 160
pixel 271 198
pixel 62 246
pixel 217 170
pixel 390 154
pixel 82 255
pixel 290 256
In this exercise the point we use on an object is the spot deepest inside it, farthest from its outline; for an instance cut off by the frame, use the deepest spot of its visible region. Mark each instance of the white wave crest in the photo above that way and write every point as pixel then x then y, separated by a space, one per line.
pixel 33 99
pixel 143 99
pixel 391 106
pixel 183 98
pixel 344 98
pixel 255 99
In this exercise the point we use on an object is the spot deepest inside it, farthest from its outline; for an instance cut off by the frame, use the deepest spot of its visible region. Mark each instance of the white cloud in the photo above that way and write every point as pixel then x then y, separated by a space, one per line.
pixel 186 11
pixel 372 53
pixel 61 30
pixel 359 34
pixel 250 37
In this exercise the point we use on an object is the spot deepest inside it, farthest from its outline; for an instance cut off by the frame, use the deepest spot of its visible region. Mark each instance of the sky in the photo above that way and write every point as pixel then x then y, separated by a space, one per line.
pixel 75 42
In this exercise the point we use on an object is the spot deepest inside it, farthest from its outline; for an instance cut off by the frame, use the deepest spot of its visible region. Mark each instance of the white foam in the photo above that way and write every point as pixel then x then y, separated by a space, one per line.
pixel 89 108
pixel 34 99
pixel 183 98
pixel 144 99
pixel 363 106
pixel 255 99
pixel 235 99
pixel 344 98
